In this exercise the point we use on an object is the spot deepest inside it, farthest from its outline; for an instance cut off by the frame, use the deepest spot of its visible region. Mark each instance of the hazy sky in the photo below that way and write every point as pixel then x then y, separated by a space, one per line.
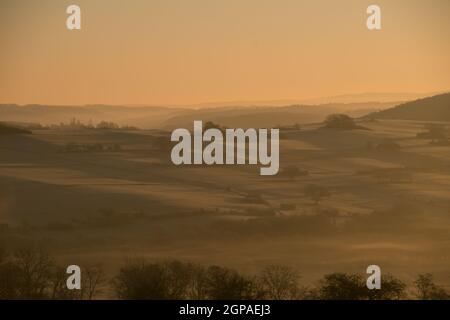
pixel 192 51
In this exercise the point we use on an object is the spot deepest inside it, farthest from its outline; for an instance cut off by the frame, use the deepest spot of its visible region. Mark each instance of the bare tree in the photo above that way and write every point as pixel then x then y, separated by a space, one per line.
pixel 227 284
pixel 58 286
pixel 279 283
pixel 9 279
pixel 427 290
pixel 35 268
pixel 92 281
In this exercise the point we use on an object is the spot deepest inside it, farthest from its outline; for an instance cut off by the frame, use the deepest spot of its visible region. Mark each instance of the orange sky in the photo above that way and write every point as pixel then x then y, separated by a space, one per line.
pixel 192 51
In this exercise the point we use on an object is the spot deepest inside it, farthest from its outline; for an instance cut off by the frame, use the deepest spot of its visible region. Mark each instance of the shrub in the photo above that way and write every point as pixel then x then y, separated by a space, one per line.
pixel 340 121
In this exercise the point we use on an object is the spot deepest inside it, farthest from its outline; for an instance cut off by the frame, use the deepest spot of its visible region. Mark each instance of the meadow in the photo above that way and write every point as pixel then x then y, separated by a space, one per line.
pixel 343 200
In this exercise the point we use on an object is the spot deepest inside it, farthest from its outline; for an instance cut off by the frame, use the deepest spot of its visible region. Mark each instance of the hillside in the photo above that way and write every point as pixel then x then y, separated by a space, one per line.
pixel 436 108
pixel 88 205
pixel 5 129
pixel 270 116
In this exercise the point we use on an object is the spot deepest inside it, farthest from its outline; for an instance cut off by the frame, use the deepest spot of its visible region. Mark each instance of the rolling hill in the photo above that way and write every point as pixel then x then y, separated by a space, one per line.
pixel 153 117
pixel 269 116
pixel 435 108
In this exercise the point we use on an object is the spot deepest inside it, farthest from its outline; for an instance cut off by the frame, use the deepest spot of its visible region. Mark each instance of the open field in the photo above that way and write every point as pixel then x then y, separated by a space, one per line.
pixel 387 206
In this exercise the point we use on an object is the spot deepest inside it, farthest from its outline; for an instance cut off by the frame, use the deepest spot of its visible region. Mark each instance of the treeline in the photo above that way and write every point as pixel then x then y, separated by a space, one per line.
pixel 75 124
pixel 33 274
pixel 181 280
pixel 30 274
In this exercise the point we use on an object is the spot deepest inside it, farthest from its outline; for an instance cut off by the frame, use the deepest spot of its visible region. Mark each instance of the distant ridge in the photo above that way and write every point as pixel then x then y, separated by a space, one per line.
pixel 380 97
pixel 170 117
pixel 435 108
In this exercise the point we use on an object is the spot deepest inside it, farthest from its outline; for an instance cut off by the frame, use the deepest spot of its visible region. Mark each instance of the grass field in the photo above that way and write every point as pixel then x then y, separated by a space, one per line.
pixel 387 206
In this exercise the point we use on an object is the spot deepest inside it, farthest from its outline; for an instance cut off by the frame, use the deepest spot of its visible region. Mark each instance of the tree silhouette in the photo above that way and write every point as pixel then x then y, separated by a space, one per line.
pixel 34 268
pixel 340 121
pixel 227 284
pixel 428 290
pixel 391 289
pixel 279 283
pixel 343 286
pixel 140 280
